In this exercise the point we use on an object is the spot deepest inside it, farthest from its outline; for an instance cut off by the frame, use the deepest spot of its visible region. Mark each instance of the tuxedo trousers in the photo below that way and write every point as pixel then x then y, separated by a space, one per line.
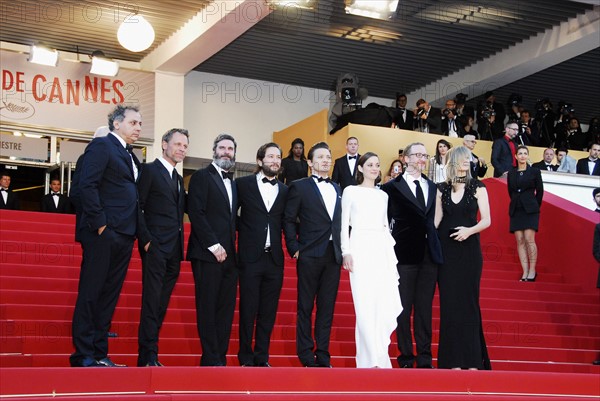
pixel 215 286
pixel 103 270
pixel 417 288
pixel 260 287
pixel 318 282
pixel 159 276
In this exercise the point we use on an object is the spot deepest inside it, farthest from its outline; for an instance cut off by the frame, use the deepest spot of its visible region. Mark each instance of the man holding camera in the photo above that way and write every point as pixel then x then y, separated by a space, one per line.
pixel 427 118
pixel 451 125
pixel 490 117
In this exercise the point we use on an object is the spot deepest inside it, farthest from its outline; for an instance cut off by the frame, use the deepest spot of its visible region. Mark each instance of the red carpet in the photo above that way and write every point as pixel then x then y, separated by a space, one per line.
pixel 551 325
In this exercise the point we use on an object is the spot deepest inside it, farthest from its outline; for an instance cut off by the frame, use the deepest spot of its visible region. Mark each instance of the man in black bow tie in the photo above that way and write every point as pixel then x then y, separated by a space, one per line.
pixel 316 246
pixel 344 169
pixel 160 238
pixel 261 203
pixel 55 202
pixel 212 206
pixel 9 199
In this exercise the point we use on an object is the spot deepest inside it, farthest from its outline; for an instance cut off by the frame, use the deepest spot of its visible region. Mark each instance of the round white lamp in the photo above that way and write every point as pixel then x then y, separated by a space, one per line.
pixel 135 33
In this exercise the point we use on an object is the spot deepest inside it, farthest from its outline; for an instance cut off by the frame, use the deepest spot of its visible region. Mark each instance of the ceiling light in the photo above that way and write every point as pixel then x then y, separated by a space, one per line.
pixel 103 66
pixel 135 33
pixel 379 9
pixel 293 3
pixel 43 55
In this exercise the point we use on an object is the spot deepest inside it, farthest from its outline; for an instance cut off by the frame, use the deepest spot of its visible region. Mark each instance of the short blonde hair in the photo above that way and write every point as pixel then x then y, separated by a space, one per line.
pixel 455 158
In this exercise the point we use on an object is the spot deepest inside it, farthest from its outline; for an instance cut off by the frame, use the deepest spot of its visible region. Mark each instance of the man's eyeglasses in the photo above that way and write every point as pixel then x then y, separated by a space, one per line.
pixel 513 128
pixel 420 155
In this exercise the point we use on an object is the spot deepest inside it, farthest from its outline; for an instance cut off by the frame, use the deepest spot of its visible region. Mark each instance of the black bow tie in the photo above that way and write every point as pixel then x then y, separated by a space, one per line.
pixel 401 108
pixel 3 190
pixel 351 157
pixel 267 181
pixel 321 179
pixel 129 148
pixel 227 174
pixel 55 193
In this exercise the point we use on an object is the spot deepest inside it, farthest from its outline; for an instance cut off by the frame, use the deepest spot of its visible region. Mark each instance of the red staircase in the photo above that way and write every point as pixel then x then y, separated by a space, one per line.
pixel 551 325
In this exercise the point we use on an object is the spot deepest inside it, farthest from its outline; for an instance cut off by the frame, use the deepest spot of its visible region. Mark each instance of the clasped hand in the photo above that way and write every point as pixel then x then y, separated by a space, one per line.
pixel 461 234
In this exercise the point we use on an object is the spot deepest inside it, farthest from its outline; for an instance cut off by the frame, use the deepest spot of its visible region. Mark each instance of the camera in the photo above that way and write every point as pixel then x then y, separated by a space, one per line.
pixel 515 99
pixel 420 111
pixel 488 112
pixel 566 109
pixel 396 169
pixel 446 112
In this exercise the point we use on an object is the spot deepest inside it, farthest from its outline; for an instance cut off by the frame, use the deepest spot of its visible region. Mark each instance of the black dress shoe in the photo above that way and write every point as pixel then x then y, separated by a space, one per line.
pixel 107 362
pixel 263 365
pixel 323 365
pixel 310 365
pixel 154 363
pixel 428 366
pixel 89 363
pixel 596 362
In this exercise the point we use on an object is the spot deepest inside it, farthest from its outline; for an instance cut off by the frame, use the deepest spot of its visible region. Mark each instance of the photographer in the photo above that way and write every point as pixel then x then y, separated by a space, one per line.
pixel 528 130
pixel 593 133
pixel 515 107
pixel 427 118
pixel 451 125
pixel 490 117
pixel 570 136
pixel 544 118
pixel 461 108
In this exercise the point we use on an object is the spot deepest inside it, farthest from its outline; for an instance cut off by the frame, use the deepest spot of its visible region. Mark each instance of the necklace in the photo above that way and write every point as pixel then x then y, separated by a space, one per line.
pixel 460 180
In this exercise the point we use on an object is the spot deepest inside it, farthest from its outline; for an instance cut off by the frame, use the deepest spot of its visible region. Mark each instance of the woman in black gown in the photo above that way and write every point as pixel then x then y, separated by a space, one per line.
pixel 462 343
pixel 526 190
pixel 294 166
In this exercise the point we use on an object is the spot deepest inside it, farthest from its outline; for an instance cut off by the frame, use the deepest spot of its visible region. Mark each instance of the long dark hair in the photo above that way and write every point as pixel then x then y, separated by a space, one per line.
pixel 291 152
pixel 438 157
pixel 361 162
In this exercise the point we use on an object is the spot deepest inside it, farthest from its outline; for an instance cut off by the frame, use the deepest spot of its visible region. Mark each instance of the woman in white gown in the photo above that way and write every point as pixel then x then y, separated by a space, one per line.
pixel 369 257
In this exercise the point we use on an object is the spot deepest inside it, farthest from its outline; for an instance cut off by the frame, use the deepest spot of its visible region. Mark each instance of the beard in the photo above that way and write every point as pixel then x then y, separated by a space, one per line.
pixel 268 171
pixel 224 164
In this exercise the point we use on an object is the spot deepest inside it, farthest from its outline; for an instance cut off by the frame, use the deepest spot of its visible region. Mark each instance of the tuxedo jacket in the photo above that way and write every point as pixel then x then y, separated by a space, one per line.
pixel 477 170
pixel 213 221
pixel 402 123
pixel 162 206
pixel 412 227
pixel 527 190
pixel 446 126
pixel 306 203
pixel 502 156
pixel 254 218
pixel 584 168
pixel 341 172
pixel 47 204
pixel 107 191
pixel 542 166
pixel 12 201
pixel 433 121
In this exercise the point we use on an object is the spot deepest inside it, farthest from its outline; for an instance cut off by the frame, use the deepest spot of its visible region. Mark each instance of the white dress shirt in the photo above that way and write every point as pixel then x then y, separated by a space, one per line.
pixel 268 193
pixel 133 166
pixel 413 188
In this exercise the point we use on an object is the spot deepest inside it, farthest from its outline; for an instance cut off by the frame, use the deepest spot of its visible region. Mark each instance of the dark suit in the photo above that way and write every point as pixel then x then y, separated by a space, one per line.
pixel 407 123
pixel 213 222
pixel 47 204
pixel 342 174
pixel 12 201
pixel 527 192
pixel 419 253
pixel 108 197
pixel 477 170
pixel 261 268
pixel 446 126
pixel 584 168
pixel 433 122
pixel 318 265
pixel 160 223
pixel 543 166
pixel 502 156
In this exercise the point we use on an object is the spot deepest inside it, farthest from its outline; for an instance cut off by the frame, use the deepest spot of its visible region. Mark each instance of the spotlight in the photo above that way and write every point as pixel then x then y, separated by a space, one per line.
pixel 378 9
pixel 135 33
pixel 43 55
pixel 103 66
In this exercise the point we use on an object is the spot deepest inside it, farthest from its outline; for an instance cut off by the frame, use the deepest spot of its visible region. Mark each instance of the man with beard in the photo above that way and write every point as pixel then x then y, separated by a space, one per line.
pixel 160 238
pixel 317 202
pixel 212 203
pixel 411 209
pixel 261 198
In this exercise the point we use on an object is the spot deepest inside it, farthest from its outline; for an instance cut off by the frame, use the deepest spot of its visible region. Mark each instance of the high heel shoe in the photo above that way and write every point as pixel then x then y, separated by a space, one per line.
pixel 523 279
pixel 533 278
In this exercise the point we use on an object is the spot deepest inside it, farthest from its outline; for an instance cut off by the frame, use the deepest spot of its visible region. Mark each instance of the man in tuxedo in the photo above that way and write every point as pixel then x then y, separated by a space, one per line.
pixel 106 229
pixel 504 150
pixel 344 169
pixel 160 238
pixel 596 196
pixel 546 163
pixel 316 202
pixel 451 126
pixel 478 165
pixel 261 201
pixel 405 118
pixel 591 164
pixel 9 200
pixel 212 206
pixel 411 208
pixel 55 202
pixel 427 118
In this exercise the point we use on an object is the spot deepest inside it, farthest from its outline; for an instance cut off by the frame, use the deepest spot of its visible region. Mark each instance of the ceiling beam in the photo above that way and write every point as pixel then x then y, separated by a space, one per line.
pixel 209 31
pixel 562 42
